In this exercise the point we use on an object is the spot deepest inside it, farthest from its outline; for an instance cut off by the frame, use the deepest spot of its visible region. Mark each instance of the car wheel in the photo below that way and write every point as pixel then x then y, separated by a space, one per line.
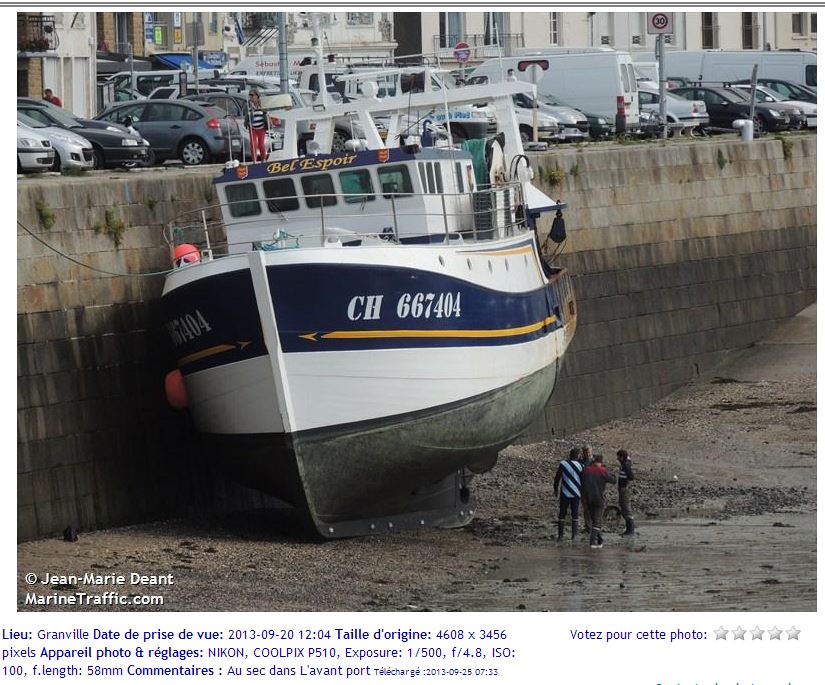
pixel 19 168
pixel 758 127
pixel 193 151
pixel 339 140
pixel 526 134
pixel 57 164
pixel 98 158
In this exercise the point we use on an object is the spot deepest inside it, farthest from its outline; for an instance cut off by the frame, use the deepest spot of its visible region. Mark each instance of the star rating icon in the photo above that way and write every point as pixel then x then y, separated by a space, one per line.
pixel 739 633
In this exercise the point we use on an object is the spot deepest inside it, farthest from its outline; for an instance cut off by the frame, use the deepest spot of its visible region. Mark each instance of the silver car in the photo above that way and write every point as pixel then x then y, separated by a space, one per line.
pixel 34 151
pixel 71 151
pixel 690 113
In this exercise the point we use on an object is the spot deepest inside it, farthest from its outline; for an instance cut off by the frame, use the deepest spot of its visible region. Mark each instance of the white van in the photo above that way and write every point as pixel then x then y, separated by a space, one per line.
pixel 718 66
pixel 144 82
pixel 595 81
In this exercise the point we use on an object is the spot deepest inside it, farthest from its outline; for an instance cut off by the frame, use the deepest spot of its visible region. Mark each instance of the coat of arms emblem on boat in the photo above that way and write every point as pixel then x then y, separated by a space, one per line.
pixel 383 155
pixel 242 172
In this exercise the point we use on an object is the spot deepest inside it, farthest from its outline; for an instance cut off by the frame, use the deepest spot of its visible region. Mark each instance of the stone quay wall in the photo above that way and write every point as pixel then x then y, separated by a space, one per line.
pixel 680 254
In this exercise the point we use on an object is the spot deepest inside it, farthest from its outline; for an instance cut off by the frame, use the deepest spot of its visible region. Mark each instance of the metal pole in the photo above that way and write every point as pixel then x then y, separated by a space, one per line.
pixel 283 65
pixel 131 66
pixel 660 39
pixel 196 26
pixel 753 91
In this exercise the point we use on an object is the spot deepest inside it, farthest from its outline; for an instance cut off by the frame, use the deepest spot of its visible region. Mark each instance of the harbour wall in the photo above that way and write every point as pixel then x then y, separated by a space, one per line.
pixel 680 254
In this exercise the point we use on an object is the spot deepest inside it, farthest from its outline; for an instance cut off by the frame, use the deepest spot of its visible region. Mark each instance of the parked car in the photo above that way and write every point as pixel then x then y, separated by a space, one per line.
pixel 71 151
pixel 112 146
pixel 597 126
pixel 767 95
pixel 678 110
pixel 194 132
pixel 34 150
pixel 790 89
pixel 726 105
pixel 797 117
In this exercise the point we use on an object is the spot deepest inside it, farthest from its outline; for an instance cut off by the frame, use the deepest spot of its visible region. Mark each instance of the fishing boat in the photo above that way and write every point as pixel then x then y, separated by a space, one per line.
pixel 379 324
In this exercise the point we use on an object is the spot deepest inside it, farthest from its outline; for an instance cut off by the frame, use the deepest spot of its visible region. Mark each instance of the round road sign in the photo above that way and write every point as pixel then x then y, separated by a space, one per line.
pixel 461 52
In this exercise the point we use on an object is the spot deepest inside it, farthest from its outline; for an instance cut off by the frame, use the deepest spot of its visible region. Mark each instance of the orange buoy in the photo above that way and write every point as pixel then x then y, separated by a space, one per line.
pixel 184 254
pixel 175 388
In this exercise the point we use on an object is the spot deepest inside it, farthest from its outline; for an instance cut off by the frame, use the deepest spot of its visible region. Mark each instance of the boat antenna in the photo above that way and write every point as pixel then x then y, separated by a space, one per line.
pixel 498 45
pixel 283 64
pixel 319 60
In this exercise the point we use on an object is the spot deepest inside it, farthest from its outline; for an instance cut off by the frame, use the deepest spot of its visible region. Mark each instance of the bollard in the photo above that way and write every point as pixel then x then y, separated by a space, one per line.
pixel 746 127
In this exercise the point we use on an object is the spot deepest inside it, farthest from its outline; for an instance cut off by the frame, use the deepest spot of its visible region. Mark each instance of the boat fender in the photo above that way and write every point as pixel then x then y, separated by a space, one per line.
pixel 175 388
pixel 185 254
pixel 558 233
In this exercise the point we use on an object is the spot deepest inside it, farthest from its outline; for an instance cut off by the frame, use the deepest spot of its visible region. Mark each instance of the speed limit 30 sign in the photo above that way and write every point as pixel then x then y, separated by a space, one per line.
pixel 659 22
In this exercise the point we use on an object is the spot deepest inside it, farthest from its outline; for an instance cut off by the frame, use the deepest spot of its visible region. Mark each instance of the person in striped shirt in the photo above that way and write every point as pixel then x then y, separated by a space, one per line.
pixel 568 478
pixel 257 126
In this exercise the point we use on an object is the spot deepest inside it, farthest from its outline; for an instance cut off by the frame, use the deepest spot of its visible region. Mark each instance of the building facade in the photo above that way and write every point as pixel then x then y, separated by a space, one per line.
pixel 489 34
pixel 57 51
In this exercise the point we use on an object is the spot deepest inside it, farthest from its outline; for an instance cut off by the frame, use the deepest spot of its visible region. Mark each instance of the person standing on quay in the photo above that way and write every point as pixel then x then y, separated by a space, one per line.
pixel 594 479
pixel 568 475
pixel 625 477
pixel 586 460
pixel 49 96
pixel 257 126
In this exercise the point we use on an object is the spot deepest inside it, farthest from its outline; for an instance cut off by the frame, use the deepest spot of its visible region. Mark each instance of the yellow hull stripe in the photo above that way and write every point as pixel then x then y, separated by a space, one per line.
pixel 503 253
pixel 208 352
pixel 457 333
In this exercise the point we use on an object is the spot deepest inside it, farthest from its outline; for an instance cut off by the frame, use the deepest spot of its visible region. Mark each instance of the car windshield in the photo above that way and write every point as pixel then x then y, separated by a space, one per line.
pixel 770 92
pixel 62 118
pixel 734 95
pixel 28 121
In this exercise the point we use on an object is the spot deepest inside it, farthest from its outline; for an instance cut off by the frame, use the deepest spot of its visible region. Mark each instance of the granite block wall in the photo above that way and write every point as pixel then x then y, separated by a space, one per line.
pixel 678 258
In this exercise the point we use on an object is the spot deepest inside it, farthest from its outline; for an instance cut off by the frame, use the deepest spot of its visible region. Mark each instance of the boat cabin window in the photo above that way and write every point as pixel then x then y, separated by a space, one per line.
pixel 356 186
pixel 242 199
pixel 280 195
pixel 459 177
pixel 318 184
pixel 430 178
pixel 439 182
pixel 395 180
pixel 423 174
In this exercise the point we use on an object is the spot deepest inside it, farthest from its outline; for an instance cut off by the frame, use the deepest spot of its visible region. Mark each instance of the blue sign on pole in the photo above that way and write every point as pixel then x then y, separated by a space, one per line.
pixel 148 27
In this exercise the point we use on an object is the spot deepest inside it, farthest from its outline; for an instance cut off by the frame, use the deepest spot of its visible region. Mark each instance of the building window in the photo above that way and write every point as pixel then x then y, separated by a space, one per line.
pixel 710 31
pixel 213 22
pixel 555 28
pixel 750 31
pixel 798 23
pixel 813 23
pixel 493 28
pixel 359 18
pixel 450 28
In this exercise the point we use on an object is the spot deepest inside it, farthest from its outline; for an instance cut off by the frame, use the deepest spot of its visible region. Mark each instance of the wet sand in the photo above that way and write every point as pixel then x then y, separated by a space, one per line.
pixel 725 500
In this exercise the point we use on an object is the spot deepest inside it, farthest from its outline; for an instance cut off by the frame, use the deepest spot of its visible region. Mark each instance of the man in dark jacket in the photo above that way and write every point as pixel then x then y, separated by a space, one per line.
pixel 568 475
pixel 594 479
pixel 586 459
pixel 625 478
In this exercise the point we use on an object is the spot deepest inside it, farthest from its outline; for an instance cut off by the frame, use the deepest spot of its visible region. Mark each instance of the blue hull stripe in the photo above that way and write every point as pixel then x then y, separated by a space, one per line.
pixel 334 307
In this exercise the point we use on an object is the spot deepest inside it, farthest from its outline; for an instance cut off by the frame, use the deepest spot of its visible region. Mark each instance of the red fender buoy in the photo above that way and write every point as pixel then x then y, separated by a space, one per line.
pixel 176 394
pixel 184 254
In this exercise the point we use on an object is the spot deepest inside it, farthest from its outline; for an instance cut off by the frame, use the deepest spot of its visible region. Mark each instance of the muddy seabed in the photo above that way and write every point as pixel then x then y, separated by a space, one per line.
pixel 725 500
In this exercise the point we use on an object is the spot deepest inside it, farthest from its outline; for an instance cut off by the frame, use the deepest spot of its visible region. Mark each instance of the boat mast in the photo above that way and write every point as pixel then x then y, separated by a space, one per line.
pixel 283 65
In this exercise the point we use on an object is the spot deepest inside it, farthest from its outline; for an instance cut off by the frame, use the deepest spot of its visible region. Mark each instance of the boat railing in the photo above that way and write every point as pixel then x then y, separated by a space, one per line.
pixel 484 215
